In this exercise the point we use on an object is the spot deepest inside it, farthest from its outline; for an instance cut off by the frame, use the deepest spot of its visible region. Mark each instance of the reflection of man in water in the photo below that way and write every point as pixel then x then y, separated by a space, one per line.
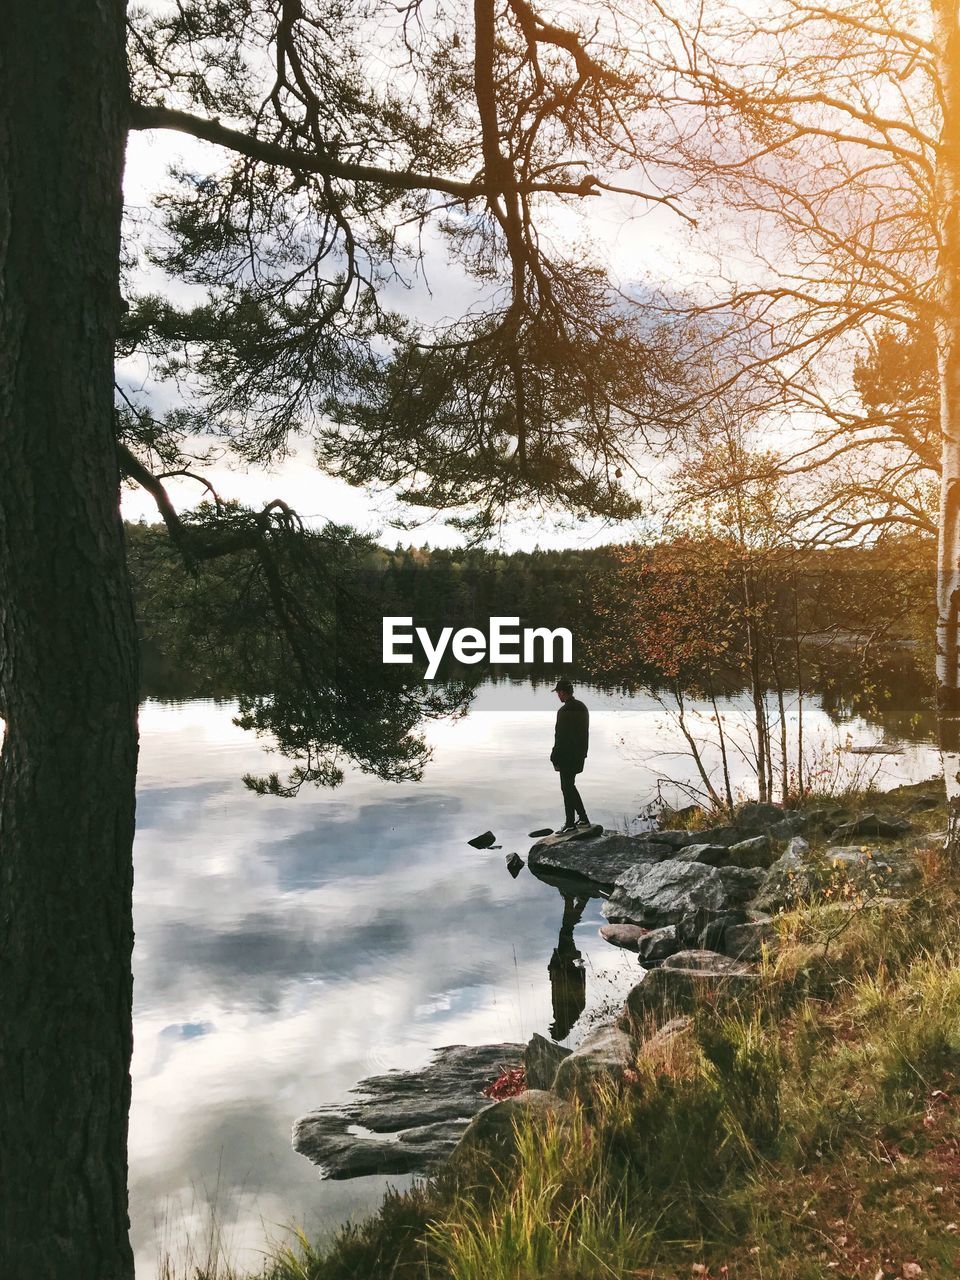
pixel 568 979
pixel 569 752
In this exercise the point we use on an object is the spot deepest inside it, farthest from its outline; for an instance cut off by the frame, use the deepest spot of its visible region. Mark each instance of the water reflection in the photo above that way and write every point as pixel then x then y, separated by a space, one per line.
pixel 568 978
pixel 287 949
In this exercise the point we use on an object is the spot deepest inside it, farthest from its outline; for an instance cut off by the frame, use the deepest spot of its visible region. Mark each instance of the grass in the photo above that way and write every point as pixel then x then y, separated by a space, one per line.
pixel 813 1132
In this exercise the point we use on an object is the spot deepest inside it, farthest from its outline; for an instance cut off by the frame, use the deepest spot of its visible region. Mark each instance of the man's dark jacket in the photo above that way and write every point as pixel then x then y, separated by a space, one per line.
pixel 572 736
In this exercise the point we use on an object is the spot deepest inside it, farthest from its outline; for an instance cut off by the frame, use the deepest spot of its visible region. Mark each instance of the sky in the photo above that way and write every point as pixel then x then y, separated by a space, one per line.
pixel 639 242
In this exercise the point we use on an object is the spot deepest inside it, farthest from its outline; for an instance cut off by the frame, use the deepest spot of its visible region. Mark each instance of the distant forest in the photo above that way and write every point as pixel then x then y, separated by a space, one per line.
pixel 850 624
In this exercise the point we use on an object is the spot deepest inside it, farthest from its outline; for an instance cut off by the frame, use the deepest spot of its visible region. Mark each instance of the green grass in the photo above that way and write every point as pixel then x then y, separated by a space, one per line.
pixel 813 1132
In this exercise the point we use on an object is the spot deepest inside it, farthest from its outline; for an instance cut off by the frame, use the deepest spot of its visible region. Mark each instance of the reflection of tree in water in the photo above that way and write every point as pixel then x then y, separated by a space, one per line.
pixel 568 979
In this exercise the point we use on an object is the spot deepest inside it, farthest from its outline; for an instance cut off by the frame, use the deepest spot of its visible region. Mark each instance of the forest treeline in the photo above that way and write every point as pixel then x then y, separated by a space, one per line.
pixel 698 612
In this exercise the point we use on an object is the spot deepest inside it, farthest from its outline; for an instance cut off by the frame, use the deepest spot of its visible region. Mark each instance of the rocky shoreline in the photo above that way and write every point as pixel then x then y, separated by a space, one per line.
pixel 697 908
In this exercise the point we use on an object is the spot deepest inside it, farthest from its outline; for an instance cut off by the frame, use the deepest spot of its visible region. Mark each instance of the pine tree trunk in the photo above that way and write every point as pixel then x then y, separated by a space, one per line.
pixel 947 54
pixel 68 663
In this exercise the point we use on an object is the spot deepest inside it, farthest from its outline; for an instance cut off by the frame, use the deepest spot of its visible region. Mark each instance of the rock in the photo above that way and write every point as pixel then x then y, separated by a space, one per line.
pixel 676 839
pixel 741 883
pixel 852 858
pixel 713 835
pixel 484 841
pixel 515 864
pixel 746 941
pixel 665 892
pixel 787 880
pixel 433 1106
pixel 923 803
pixel 710 855
pixel 598 862
pixel 756 852
pixel 692 976
pixel 492 1134
pixel 658 944
pixel 707 962
pixel 709 936
pixel 540 831
pixel 603 1055
pixel 871 824
pixel 541 1058
pixel 755 816
pixel 928 840
pixel 662 1046
pixel 627 936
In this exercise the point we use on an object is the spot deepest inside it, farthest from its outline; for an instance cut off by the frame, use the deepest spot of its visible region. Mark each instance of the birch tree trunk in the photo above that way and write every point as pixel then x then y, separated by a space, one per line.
pixel 68 653
pixel 947 53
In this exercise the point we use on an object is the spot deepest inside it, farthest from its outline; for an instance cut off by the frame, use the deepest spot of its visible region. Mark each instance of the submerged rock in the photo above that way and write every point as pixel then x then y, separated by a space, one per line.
pixel 424 1113
pixel 540 831
pixel 485 841
pixel 515 864
pixel 598 859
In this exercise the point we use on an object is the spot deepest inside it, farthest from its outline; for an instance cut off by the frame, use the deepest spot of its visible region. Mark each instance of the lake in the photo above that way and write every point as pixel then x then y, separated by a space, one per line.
pixel 285 949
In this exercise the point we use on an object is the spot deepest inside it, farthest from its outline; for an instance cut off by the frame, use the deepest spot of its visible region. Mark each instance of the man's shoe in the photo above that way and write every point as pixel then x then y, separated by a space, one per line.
pixel 584 822
pixel 567 826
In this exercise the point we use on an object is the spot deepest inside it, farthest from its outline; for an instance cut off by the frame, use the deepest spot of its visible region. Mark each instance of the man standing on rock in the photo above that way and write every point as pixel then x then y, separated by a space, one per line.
pixel 570 751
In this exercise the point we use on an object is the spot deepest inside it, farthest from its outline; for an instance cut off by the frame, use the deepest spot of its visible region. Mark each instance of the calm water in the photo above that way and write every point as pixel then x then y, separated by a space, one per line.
pixel 287 948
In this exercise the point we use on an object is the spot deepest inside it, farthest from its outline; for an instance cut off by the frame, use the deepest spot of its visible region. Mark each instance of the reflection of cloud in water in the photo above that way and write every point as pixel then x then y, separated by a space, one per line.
pixel 287 949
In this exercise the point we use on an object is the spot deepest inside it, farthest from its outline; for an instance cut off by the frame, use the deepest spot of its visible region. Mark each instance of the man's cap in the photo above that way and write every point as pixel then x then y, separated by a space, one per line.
pixel 563 685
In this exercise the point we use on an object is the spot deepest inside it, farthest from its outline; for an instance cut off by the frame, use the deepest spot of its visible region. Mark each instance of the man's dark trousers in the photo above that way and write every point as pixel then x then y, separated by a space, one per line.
pixel 572 804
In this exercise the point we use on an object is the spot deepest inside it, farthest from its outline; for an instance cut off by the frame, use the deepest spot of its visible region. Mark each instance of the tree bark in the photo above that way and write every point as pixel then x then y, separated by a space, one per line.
pixel 68 660
pixel 946 46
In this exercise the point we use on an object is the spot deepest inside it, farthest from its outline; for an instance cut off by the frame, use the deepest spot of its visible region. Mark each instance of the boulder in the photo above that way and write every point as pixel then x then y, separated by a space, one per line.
pixel 711 962
pixel 540 831
pixel 423 1112
pixel 755 852
pixel 710 855
pixel 712 835
pixel 627 936
pixel 541 1058
pixel 598 860
pixel 492 1134
pixel 854 858
pixel 665 892
pixel 515 864
pixel 746 941
pixel 788 878
pixel 741 883
pixel 787 827
pixel 871 824
pixel 758 817
pixel 657 944
pixel 484 841
pixel 662 1046
pixel 684 980
pixel 709 935
pixel 603 1055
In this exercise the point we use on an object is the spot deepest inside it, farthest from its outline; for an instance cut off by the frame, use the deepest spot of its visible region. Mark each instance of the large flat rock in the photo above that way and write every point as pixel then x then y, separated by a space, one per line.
pixel 414 1119
pixel 598 860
